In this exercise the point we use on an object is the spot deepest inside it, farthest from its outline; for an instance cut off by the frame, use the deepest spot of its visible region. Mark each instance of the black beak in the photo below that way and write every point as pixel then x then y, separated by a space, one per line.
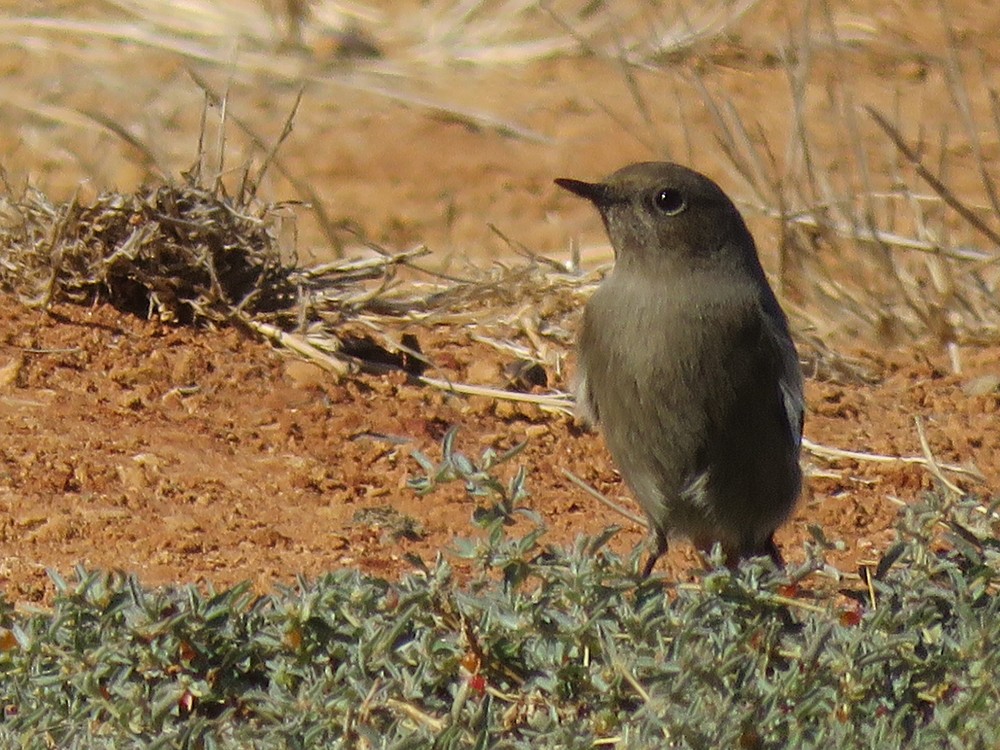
pixel 597 193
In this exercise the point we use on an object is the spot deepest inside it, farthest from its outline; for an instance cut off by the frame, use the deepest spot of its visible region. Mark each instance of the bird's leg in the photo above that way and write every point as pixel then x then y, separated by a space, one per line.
pixel 659 547
pixel 733 555
pixel 769 548
pixel 773 552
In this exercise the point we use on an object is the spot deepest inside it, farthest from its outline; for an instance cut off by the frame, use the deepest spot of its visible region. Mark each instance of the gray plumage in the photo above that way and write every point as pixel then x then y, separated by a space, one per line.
pixel 687 365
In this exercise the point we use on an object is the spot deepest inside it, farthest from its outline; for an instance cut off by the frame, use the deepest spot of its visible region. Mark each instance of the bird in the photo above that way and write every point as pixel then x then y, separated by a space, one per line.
pixel 687 366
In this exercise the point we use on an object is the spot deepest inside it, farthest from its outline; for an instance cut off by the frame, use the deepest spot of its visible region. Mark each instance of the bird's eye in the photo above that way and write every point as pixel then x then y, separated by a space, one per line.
pixel 670 201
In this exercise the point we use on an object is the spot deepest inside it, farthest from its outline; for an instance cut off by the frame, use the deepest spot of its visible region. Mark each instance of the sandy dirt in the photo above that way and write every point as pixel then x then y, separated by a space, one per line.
pixel 202 456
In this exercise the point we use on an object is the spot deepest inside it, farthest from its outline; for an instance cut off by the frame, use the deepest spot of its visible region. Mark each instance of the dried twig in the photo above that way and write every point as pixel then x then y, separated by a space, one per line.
pixel 605 500
pixel 559 403
pixel 823 451
pixel 301 346
pixel 931 179
pixel 935 468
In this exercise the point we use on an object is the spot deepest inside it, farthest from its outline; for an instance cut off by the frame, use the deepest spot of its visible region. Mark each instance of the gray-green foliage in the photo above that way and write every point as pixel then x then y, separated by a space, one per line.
pixel 568 648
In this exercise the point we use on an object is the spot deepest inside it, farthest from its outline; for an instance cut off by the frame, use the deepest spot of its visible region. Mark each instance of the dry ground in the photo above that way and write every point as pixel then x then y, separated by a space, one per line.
pixel 196 455
pixel 205 456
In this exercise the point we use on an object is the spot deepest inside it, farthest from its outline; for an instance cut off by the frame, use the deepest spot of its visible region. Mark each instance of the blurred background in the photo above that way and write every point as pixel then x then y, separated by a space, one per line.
pixel 860 139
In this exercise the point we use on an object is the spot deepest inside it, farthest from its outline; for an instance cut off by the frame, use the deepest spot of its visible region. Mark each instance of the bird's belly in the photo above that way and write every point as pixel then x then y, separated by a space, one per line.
pixel 707 463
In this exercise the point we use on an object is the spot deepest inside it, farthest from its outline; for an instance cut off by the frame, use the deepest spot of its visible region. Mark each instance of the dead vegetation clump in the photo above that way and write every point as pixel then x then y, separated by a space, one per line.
pixel 189 254
pixel 179 252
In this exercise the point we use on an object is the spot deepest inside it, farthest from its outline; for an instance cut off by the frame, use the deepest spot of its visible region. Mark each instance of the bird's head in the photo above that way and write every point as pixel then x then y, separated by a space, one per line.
pixel 660 214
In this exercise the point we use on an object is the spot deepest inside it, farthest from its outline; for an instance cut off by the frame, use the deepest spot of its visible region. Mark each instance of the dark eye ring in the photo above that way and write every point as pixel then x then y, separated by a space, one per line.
pixel 670 201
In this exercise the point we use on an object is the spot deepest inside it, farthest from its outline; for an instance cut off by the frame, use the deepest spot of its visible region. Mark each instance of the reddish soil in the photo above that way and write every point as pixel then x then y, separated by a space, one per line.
pixel 203 456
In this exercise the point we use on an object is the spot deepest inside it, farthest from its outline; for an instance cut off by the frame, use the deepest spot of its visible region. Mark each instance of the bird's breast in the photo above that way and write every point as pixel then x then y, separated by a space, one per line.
pixel 666 334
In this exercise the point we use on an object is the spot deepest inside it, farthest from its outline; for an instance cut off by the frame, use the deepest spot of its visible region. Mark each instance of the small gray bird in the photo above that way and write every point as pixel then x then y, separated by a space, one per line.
pixel 687 365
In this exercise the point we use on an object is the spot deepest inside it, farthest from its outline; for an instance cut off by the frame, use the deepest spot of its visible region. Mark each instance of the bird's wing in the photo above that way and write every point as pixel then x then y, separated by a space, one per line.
pixel 789 375
pixel 586 405
pixel 791 394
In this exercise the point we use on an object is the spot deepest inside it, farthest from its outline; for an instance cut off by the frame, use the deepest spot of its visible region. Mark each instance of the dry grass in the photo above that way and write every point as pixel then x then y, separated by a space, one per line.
pixel 179 253
pixel 886 244
pixel 191 254
pixel 196 252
